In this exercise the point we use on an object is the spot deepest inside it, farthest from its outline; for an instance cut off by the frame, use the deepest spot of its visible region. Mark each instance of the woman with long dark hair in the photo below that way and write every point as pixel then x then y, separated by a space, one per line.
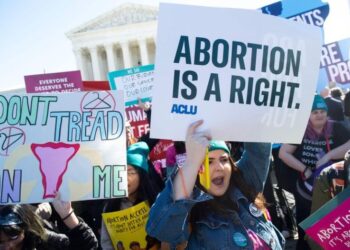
pixel 22 229
pixel 140 187
pixel 230 214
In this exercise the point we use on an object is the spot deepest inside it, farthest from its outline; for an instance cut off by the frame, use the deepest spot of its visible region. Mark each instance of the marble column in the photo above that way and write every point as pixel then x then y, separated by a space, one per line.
pixel 143 51
pixel 95 63
pixel 79 57
pixel 111 58
pixel 126 54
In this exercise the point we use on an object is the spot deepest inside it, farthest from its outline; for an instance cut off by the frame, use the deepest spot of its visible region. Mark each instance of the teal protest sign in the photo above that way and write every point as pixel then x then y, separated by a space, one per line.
pixel 136 83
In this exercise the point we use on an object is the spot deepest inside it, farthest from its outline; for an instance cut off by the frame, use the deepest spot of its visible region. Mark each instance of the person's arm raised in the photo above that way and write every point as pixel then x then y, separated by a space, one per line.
pixel 196 144
pixel 65 211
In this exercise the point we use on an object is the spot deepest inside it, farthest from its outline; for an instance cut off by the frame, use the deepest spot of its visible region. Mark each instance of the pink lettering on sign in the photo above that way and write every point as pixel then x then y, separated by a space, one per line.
pixel 53 159
pixel 333 230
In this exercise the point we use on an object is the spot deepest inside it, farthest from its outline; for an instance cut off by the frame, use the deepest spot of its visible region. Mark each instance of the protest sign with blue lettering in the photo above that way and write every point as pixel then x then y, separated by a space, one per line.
pixel 73 143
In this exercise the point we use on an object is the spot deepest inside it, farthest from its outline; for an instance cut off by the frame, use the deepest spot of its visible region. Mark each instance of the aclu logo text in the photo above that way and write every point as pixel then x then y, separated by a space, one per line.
pixel 184 109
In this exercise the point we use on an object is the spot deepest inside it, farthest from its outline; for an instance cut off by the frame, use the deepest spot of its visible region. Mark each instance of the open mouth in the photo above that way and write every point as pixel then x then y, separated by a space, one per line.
pixel 218 181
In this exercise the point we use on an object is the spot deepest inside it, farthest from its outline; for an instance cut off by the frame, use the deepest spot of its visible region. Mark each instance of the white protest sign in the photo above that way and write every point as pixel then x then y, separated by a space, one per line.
pixel 136 83
pixel 74 143
pixel 250 76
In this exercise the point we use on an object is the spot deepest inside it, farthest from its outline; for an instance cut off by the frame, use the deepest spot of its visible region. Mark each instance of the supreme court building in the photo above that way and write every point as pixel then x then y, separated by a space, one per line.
pixel 122 38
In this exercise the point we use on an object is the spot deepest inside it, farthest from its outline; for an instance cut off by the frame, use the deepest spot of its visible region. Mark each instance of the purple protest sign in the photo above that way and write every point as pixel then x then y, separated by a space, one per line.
pixel 69 81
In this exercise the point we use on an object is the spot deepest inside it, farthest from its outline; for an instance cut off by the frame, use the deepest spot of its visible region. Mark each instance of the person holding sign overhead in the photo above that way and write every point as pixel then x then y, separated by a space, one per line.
pixel 140 187
pixel 231 214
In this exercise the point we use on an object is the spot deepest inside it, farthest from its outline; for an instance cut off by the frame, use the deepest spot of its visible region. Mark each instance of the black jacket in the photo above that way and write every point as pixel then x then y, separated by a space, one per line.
pixel 335 109
pixel 80 238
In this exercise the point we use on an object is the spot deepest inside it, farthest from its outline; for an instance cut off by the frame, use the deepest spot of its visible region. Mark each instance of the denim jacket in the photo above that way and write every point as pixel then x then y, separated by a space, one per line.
pixel 169 220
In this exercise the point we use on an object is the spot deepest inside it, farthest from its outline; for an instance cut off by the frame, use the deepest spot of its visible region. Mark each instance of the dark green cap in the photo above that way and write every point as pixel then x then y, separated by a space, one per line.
pixel 137 155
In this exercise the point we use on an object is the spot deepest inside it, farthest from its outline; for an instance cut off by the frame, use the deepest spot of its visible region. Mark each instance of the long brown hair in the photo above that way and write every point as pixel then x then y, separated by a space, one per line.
pixel 237 180
pixel 32 226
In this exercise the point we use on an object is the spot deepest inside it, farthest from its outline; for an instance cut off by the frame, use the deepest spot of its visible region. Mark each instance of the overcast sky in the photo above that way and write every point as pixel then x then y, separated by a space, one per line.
pixel 33 37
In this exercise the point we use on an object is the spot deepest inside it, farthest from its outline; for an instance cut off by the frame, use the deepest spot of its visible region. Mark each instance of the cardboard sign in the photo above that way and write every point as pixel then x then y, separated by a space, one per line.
pixel 135 82
pixel 74 143
pixel 246 86
pixel 329 226
pixel 69 81
pixel 128 226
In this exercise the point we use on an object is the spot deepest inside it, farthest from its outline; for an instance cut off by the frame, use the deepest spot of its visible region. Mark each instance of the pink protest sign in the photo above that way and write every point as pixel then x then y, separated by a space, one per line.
pixel 330 225
pixel 69 81
pixel 138 120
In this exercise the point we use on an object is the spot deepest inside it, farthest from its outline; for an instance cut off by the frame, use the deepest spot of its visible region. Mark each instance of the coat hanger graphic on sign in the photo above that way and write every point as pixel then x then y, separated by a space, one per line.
pixel 9 140
pixel 97 103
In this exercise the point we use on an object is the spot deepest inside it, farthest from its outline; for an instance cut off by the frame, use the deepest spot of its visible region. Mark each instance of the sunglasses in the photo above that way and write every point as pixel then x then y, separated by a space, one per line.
pixel 10 224
pixel 10 219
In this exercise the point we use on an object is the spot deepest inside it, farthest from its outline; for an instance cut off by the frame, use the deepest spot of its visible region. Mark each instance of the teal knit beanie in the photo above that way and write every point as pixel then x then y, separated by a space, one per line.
pixel 319 103
pixel 137 155
pixel 217 145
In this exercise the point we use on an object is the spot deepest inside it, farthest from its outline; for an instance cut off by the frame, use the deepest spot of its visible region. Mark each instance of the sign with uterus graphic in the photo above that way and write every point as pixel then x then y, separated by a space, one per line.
pixel 72 143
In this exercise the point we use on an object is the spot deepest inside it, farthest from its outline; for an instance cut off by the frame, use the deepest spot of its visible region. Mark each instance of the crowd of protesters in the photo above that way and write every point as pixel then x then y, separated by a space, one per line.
pixel 232 213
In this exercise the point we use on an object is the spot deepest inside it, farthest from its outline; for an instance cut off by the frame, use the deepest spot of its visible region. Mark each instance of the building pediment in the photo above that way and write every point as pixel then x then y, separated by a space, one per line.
pixel 125 14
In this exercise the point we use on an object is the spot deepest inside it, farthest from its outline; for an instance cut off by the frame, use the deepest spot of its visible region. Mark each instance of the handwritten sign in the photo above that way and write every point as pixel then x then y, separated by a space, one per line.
pixel 127 226
pixel 136 82
pixel 69 81
pixel 267 77
pixel 330 225
pixel 73 142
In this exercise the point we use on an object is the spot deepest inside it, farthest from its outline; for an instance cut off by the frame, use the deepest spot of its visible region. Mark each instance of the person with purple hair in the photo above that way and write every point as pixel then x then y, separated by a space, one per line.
pixel 324 142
